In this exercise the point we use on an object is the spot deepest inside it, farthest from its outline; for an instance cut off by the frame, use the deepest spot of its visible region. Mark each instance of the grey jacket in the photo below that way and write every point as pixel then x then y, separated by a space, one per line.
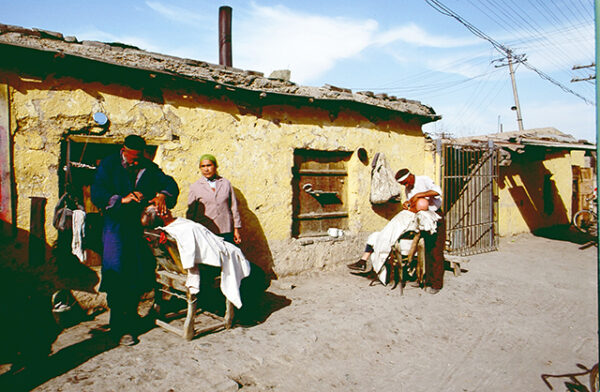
pixel 217 210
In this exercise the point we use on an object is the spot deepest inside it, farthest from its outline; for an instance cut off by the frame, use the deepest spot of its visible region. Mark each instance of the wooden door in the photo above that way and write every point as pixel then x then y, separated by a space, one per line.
pixel 320 196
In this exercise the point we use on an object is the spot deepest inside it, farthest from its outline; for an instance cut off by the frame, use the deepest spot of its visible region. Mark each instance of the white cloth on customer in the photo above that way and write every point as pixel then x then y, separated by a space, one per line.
pixel 78 226
pixel 198 245
pixel 404 221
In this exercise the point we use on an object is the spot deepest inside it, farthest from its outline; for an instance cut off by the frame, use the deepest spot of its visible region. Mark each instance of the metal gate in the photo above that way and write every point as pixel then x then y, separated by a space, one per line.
pixel 469 178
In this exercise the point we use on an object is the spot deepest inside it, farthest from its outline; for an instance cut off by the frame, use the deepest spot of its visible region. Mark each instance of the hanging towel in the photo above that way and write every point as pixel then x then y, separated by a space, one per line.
pixel 78 226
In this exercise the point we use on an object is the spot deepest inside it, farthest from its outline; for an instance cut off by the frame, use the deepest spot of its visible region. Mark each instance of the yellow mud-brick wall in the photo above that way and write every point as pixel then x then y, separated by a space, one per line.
pixel 578 158
pixel 255 152
pixel 535 191
pixel 430 166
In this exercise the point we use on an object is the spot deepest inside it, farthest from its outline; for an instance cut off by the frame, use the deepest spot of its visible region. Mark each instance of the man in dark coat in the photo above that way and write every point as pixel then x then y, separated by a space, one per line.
pixel 124 184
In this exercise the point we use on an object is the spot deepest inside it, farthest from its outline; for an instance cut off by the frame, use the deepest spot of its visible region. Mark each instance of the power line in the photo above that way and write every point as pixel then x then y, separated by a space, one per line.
pixel 540 39
pixel 438 6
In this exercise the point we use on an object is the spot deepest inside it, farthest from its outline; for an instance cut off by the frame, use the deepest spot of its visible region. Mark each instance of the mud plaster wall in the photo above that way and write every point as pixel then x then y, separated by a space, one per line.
pixel 578 158
pixel 254 153
pixel 521 205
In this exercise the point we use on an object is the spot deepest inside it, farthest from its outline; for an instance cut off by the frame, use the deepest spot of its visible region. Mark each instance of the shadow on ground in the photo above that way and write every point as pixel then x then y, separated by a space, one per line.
pixel 37 373
pixel 24 377
pixel 566 233
pixel 258 311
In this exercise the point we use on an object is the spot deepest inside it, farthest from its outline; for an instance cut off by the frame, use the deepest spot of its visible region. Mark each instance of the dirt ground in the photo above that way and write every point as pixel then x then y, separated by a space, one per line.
pixel 510 317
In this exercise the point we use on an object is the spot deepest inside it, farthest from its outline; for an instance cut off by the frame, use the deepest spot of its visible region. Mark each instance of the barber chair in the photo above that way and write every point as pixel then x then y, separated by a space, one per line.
pixel 171 278
pixel 406 261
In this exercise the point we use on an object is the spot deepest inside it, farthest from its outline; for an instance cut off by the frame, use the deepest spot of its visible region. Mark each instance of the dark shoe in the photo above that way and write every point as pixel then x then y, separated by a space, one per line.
pixel 360 265
pixel 127 340
pixel 432 290
pixel 366 273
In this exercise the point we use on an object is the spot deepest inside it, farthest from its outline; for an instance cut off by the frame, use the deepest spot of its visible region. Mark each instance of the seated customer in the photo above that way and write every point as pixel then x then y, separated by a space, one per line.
pixel 379 243
pixel 198 245
pixel 420 204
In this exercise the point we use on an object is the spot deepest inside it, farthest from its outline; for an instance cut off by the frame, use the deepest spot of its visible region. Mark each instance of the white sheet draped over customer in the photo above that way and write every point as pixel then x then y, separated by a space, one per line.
pixel 198 245
pixel 404 221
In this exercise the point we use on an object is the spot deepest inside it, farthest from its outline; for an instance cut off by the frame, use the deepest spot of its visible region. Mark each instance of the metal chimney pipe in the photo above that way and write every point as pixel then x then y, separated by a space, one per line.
pixel 225 36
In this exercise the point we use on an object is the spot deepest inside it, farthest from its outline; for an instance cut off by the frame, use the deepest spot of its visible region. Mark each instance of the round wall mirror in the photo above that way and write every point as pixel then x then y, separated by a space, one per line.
pixel 100 118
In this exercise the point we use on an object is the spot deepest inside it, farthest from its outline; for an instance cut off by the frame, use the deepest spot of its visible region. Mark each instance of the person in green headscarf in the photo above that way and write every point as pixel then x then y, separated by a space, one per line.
pixel 212 202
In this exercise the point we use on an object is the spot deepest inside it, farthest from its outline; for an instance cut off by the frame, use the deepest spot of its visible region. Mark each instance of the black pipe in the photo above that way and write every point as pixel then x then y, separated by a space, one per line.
pixel 225 36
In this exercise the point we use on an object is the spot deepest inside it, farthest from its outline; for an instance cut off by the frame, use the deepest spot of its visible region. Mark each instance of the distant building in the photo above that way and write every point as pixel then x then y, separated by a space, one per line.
pixel 545 176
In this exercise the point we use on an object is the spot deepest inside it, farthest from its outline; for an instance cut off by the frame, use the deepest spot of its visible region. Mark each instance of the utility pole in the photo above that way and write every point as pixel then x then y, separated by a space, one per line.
pixel 514 87
pixel 519 58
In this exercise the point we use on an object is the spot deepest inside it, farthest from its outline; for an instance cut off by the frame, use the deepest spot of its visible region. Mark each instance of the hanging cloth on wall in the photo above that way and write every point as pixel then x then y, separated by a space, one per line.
pixel 63 212
pixel 78 234
pixel 384 186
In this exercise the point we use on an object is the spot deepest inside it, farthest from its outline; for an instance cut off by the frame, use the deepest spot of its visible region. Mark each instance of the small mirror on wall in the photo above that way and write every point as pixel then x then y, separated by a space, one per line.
pixel 100 118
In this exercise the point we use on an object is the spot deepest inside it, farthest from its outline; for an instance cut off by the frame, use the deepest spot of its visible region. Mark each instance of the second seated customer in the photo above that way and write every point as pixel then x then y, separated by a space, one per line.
pixel 424 198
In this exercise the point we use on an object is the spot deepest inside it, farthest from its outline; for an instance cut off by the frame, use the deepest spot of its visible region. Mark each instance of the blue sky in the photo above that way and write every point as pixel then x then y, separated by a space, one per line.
pixel 401 47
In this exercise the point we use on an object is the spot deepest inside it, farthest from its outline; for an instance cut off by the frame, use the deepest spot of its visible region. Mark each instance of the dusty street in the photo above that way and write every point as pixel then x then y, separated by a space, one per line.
pixel 513 315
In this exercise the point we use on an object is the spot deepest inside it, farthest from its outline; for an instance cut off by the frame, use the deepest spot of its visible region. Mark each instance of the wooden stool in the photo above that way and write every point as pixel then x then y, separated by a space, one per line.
pixel 401 260
pixel 171 278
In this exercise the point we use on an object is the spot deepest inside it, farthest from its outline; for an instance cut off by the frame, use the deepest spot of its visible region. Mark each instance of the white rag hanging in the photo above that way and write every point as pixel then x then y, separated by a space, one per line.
pixel 78 225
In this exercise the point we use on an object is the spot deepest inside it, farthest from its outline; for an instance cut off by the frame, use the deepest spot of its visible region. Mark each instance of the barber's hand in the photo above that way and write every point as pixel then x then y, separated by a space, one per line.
pixel 134 196
pixel 237 238
pixel 160 203
pixel 406 205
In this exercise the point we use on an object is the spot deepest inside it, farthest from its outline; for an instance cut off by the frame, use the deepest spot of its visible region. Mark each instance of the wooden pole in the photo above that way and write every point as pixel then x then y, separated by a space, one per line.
pixel 7 211
pixel 37 232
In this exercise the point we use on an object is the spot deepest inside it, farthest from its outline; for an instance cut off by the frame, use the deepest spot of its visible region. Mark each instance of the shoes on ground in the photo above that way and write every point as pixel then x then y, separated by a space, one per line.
pixel 366 273
pixel 360 265
pixel 127 340
pixel 432 290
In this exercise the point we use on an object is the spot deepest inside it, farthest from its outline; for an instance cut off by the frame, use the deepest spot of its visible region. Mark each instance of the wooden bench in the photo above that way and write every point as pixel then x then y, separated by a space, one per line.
pixel 171 278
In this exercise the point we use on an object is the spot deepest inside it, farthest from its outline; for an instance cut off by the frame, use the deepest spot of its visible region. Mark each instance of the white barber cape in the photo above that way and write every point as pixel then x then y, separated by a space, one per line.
pixel 198 245
pixel 404 221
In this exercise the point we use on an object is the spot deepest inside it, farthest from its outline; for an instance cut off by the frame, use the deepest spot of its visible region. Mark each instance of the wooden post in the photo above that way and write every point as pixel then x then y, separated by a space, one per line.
pixel 37 232
pixel 7 211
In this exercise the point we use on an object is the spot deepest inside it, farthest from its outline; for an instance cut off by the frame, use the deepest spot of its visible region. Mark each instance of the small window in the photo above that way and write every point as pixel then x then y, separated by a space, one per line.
pixel 320 192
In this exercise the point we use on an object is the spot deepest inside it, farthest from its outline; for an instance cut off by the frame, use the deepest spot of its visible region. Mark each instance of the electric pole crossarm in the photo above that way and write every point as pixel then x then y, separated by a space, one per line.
pixel 591 77
pixel 583 66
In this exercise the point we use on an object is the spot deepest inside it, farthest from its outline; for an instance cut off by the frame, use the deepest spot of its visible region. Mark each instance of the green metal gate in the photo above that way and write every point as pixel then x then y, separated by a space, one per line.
pixel 469 178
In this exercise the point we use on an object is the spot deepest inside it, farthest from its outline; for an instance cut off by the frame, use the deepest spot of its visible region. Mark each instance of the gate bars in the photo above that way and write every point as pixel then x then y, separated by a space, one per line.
pixel 469 178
